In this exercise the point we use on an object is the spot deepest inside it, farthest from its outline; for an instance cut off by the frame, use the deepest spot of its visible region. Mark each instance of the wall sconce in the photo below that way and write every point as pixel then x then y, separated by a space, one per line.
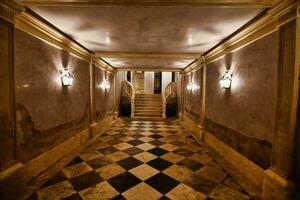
pixel 190 86
pixel 105 85
pixel 66 77
pixel 225 80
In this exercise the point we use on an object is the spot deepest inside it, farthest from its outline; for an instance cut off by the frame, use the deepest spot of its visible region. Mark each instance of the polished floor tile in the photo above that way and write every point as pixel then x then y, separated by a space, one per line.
pixel 142 160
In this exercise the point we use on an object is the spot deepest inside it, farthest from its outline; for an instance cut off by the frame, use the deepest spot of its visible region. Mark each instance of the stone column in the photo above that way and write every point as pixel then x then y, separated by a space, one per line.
pixel 278 182
pixel 203 98
pixel 182 95
pixel 10 166
pixel 115 93
pixel 93 124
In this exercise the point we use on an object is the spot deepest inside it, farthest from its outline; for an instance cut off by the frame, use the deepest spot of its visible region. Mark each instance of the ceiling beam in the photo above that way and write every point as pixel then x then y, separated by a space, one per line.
pixel 205 3
pixel 148 55
pixel 161 69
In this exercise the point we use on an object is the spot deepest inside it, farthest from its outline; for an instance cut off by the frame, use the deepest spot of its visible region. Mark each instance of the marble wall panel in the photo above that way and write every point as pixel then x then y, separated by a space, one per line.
pixel 104 98
pixel 7 133
pixel 47 112
pixel 244 115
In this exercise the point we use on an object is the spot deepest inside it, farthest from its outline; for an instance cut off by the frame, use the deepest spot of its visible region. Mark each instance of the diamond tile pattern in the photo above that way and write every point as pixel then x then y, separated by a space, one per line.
pixel 131 159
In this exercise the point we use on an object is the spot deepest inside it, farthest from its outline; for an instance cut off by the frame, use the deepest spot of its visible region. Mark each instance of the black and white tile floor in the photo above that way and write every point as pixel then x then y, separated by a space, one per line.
pixel 143 160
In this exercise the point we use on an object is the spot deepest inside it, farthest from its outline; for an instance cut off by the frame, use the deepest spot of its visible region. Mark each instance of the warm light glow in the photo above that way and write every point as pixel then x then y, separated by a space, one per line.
pixel 191 86
pixel 105 85
pixel 66 77
pixel 225 80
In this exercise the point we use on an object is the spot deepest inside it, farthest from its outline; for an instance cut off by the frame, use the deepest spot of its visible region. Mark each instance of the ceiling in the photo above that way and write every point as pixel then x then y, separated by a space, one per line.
pixel 169 37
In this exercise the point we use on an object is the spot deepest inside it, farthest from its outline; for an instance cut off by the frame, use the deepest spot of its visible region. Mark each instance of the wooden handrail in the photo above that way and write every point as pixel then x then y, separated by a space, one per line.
pixel 128 89
pixel 170 89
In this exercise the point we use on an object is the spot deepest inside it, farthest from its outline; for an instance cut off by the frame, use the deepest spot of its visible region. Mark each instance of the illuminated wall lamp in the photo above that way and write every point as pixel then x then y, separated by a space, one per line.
pixel 105 85
pixel 190 86
pixel 67 77
pixel 225 80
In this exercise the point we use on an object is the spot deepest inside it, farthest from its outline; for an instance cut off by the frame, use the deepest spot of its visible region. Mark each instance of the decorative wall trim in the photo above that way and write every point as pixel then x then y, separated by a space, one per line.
pixel 8 10
pixel 163 69
pixel 32 25
pixel 206 3
pixel 7 13
pixel 265 24
pixel 262 26
pixel 100 63
pixel 197 64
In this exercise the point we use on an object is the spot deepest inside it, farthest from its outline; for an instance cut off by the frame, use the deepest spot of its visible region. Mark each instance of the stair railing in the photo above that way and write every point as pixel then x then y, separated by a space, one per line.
pixel 129 90
pixel 170 90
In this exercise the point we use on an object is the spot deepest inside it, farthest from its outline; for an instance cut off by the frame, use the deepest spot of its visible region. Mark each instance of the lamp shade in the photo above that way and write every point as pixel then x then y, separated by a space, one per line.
pixel 67 78
pixel 225 80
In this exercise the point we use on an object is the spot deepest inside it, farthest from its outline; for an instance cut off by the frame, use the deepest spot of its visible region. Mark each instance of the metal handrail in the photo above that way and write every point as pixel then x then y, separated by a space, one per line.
pixel 129 90
pixel 170 89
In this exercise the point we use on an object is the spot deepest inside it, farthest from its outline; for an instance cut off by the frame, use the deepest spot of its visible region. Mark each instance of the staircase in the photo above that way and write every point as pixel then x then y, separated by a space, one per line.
pixel 148 107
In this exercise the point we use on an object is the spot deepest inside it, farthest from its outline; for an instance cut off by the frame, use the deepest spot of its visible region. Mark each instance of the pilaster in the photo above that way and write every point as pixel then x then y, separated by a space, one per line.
pixel 278 182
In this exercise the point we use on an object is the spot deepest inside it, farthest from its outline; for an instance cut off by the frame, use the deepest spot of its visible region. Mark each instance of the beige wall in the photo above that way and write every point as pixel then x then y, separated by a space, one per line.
pixel 243 116
pixel 47 112
pixel 149 83
pixel 166 78
pixel 7 135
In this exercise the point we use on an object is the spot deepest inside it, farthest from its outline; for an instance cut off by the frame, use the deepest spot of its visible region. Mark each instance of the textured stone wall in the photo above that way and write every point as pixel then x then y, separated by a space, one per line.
pixel 104 98
pixel 7 136
pixel 192 103
pixel 178 85
pixel 244 115
pixel 120 76
pixel 47 112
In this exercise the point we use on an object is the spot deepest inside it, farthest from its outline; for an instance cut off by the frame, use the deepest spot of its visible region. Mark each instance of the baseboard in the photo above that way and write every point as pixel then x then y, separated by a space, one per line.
pixel 17 177
pixel 190 125
pixel 247 168
pixel 37 165
pixel 98 127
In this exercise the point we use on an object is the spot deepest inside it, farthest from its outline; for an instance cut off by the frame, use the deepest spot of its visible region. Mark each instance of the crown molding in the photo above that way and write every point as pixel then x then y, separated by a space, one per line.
pixel 153 55
pixel 163 69
pixel 8 10
pixel 32 25
pixel 100 63
pixel 282 13
pixel 197 64
pixel 204 3
pixel 275 17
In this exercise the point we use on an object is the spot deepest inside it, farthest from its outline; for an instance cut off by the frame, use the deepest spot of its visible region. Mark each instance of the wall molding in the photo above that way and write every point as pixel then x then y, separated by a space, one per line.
pixel 32 25
pixel 100 63
pixel 8 10
pixel 270 21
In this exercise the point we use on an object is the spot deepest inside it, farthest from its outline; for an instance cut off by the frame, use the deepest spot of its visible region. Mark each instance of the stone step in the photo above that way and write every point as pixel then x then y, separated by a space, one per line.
pixel 149 110
pixel 148 118
pixel 147 115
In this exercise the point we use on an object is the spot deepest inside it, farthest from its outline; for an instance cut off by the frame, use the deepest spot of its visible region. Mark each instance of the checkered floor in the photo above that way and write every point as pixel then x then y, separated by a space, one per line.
pixel 143 160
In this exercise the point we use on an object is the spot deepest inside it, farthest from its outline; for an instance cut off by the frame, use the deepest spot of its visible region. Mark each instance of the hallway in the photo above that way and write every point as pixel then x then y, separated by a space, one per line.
pixel 142 160
pixel 150 99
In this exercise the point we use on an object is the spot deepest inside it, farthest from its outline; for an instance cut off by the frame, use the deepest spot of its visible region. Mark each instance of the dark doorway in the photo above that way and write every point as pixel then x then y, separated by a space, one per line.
pixel 129 76
pixel 173 76
pixel 157 82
